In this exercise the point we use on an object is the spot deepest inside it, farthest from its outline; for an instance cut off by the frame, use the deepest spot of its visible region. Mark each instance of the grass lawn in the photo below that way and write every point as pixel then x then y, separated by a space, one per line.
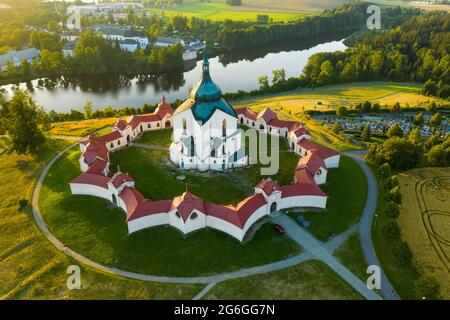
pixel 352 256
pixel 161 138
pixel 347 191
pixel 31 268
pixel 311 280
pixel 92 227
pixel 218 11
pixel 82 128
pixel 402 276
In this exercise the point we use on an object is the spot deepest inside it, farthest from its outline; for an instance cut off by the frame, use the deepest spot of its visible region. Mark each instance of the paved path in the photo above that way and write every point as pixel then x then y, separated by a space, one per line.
pixel 365 224
pixel 318 250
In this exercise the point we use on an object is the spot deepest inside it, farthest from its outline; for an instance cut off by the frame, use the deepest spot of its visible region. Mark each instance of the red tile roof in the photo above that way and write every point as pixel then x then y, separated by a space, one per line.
pixel 147 207
pixel 92 179
pixel 120 178
pixel 301 189
pixel 105 138
pixel 303 175
pixel 321 151
pixel 268 186
pixel 137 120
pixel 248 206
pixel 281 123
pixel 247 113
pixel 163 108
pixel 186 203
pixel 311 161
pixel 226 213
pixel 301 131
pixel 95 149
pixel 97 167
pixel 132 198
pixel 120 124
pixel 267 114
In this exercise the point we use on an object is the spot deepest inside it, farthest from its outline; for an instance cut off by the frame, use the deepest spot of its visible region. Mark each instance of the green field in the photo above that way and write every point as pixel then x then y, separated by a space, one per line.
pixel 352 256
pixel 31 268
pixel 309 280
pixel 218 11
pixel 347 190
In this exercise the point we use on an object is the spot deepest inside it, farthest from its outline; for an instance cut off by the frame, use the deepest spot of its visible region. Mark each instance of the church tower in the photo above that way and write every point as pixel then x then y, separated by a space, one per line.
pixel 206 135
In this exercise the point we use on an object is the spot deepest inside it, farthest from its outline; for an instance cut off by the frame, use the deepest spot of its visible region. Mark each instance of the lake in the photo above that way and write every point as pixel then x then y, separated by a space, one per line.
pixel 232 72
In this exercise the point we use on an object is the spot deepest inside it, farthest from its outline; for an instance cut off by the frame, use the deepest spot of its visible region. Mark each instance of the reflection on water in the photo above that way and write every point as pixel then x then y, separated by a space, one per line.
pixel 238 70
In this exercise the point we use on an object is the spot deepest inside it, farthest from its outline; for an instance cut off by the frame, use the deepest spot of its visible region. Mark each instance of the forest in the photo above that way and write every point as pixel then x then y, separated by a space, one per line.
pixel 418 50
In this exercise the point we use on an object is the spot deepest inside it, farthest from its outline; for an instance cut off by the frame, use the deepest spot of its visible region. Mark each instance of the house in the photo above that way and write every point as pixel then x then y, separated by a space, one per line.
pixel 129 38
pixel 167 42
pixel 189 54
pixel 68 49
pixel 17 57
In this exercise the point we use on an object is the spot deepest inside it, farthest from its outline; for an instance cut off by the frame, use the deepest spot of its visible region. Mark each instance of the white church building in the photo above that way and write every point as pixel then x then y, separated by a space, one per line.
pixel 206 134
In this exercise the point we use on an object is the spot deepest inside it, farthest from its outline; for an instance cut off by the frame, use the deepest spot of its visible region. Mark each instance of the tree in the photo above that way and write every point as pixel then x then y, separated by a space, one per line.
pixel 263 83
pixel 399 153
pixel 392 210
pixel 419 120
pixel 395 131
pixel 234 2
pixel 88 109
pixel 427 288
pixel 403 252
pixel 366 134
pixel 391 230
pixel 395 195
pixel 385 170
pixel 438 156
pixel 414 136
pixel 341 111
pixel 436 120
pixel 337 127
pixel 24 122
pixel 279 76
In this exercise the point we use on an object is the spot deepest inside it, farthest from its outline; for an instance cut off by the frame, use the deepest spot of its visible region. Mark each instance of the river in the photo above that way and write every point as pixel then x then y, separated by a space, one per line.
pixel 232 72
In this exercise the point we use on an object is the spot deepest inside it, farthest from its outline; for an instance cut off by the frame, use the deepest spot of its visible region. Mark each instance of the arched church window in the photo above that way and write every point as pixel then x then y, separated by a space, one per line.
pixel 224 128
pixel 177 214
pixel 223 149
pixel 192 146
pixel 184 125
pixel 194 216
pixel 319 172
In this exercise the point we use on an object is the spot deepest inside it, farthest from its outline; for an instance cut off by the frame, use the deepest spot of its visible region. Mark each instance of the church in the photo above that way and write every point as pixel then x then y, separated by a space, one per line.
pixel 206 134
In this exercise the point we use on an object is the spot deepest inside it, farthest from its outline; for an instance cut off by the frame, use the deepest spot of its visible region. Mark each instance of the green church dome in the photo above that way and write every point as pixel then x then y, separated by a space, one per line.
pixel 207 97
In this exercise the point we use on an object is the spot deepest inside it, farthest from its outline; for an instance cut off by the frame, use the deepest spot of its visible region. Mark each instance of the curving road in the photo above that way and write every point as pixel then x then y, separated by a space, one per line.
pixel 365 224
pixel 312 251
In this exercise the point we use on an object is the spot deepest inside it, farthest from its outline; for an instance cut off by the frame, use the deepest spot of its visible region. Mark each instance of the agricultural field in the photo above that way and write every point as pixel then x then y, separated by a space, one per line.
pixel 328 98
pixel 425 221
pixel 81 128
pixel 219 10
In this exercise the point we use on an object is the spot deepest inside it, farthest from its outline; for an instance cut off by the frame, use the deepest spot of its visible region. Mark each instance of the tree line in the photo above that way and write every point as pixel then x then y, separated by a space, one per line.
pixel 348 17
pixel 415 51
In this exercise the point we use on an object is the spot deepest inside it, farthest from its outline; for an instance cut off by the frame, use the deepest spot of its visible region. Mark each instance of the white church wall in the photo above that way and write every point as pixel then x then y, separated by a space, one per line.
pixel 195 224
pixel 302 201
pixel 90 190
pixel 332 162
pixel 258 214
pixel 225 226
pixel 152 220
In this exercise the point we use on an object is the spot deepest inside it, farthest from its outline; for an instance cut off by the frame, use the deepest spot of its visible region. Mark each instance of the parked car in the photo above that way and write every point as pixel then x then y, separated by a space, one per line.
pixel 278 228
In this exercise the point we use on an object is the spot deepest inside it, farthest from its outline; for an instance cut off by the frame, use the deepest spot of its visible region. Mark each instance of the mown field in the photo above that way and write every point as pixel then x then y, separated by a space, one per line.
pixel 31 268
pixel 307 281
pixel 425 221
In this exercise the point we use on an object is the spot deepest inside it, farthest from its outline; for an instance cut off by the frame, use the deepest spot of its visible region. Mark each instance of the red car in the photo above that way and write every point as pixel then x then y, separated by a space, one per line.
pixel 278 228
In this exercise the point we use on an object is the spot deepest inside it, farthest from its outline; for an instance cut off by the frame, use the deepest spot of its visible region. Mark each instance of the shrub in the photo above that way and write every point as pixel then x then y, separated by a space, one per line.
pixel 23 203
pixel 395 195
pixel 427 288
pixel 385 169
pixel 392 210
pixel 391 182
pixel 403 253
pixel 391 229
